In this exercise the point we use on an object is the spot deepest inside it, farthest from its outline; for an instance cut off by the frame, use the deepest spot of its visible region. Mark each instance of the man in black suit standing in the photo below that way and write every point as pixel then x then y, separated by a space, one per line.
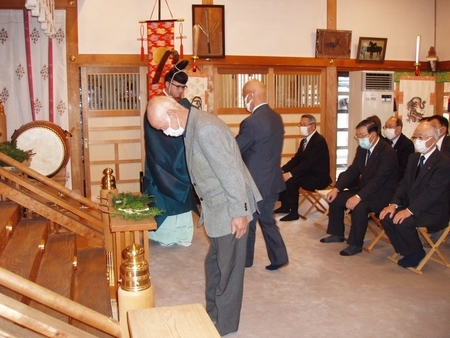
pixel 260 140
pixel 441 123
pixel 375 164
pixel 421 198
pixel 308 169
pixel 402 145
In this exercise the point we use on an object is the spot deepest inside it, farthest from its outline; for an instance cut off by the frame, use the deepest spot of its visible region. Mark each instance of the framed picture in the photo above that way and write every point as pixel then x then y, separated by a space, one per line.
pixel 371 50
pixel 211 37
pixel 333 44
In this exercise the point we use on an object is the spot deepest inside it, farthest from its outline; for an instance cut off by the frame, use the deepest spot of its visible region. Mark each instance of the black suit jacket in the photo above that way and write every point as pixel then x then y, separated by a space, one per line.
pixel 377 179
pixel 427 195
pixel 313 162
pixel 403 147
pixel 445 147
pixel 260 141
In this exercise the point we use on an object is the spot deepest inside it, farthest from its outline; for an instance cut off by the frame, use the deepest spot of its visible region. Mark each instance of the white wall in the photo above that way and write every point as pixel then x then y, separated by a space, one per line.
pixel 269 27
pixel 443 31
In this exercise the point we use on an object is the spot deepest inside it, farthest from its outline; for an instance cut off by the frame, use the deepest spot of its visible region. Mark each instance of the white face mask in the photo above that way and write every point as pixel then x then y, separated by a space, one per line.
pixel 248 104
pixel 389 133
pixel 304 130
pixel 174 132
pixel 420 145
pixel 364 143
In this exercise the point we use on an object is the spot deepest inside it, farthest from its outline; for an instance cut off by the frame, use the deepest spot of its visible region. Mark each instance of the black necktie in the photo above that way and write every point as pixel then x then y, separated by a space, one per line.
pixel 420 165
pixel 368 156
pixel 304 144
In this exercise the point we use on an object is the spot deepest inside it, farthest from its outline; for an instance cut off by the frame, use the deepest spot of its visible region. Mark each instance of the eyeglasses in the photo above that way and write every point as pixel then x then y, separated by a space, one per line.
pixel 183 87
pixel 357 137
pixel 385 127
pixel 305 125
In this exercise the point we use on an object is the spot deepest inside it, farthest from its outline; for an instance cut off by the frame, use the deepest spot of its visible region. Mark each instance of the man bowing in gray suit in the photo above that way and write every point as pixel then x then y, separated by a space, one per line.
pixel 228 197
pixel 260 139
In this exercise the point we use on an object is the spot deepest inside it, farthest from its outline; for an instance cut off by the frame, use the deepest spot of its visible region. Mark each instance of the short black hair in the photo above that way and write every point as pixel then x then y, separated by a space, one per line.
pixel 377 121
pixel 441 119
pixel 371 125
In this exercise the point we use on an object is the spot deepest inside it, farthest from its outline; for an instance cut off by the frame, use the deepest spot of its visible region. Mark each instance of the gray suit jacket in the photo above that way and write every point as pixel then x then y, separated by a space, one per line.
pixel 260 139
pixel 222 181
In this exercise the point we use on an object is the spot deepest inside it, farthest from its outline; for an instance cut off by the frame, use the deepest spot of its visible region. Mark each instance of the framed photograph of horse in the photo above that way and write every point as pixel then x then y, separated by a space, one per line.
pixel 371 50
pixel 333 44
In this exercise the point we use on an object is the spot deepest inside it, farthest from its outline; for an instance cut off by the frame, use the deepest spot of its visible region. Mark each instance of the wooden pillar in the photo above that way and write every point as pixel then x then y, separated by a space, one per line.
pixel 331 117
pixel 331 14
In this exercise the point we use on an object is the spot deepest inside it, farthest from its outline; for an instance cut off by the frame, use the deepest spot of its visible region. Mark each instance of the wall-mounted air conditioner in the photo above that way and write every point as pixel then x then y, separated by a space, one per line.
pixel 371 93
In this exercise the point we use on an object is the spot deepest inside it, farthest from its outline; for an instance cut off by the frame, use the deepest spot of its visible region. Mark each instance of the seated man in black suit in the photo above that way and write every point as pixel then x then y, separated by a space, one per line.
pixel 441 123
pixel 375 163
pixel 402 145
pixel 309 168
pixel 421 198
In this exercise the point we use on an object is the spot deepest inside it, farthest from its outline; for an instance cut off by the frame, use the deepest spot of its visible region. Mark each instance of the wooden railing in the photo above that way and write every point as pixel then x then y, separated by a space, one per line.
pixel 52 200
pixel 53 300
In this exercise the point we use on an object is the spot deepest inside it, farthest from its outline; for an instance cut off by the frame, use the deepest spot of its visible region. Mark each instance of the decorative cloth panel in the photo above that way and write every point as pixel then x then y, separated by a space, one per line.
pixel 416 99
pixel 33 84
pixel 159 34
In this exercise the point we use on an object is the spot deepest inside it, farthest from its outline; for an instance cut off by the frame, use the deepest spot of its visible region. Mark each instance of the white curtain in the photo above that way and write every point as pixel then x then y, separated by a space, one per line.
pixel 33 80
pixel 417 96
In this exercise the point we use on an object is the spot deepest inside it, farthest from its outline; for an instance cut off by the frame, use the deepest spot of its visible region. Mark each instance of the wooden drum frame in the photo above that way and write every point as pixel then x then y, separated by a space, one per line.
pixel 48 142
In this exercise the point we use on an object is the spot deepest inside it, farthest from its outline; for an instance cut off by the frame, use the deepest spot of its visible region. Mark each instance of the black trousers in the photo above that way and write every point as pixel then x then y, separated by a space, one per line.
pixel 404 236
pixel 276 249
pixel 289 197
pixel 359 215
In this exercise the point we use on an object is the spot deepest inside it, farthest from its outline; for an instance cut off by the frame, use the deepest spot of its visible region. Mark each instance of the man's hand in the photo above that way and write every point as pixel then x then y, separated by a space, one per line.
pixel 401 216
pixel 239 226
pixel 352 202
pixel 286 176
pixel 389 211
pixel 332 194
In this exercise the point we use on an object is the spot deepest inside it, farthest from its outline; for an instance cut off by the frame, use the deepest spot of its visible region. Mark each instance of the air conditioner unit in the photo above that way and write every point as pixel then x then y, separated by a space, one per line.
pixel 371 93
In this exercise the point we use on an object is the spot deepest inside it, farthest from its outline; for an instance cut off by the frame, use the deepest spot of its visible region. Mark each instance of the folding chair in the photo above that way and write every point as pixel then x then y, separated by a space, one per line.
pixel 318 223
pixel 434 250
pixel 323 195
pixel 377 231
pixel 314 198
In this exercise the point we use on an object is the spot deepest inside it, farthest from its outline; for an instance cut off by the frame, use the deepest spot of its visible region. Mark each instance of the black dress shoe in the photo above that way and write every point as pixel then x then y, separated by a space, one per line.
pixel 332 239
pixel 412 260
pixel 281 210
pixel 350 250
pixel 292 216
pixel 272 267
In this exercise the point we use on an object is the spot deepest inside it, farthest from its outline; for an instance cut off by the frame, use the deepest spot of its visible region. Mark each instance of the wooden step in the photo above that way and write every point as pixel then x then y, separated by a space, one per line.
pixel 56 272
pixel 23 252
pixel 91 286
pixel 9 218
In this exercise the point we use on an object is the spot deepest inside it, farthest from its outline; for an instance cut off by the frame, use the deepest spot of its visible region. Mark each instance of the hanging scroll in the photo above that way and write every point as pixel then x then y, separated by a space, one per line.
pixel 160 37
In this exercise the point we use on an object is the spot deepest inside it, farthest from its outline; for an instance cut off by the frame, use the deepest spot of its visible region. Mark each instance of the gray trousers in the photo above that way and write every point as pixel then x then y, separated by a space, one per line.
pixel 224 268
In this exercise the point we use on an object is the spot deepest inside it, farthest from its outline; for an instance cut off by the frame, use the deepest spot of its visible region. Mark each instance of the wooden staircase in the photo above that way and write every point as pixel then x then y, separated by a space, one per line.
pixel 51 245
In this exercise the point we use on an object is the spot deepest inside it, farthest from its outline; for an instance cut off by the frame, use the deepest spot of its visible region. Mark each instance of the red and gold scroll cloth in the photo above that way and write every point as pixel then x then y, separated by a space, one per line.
pixel 159 34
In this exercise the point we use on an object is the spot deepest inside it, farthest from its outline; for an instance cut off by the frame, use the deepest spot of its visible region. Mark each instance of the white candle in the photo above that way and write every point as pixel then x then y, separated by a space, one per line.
pixel 417 48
